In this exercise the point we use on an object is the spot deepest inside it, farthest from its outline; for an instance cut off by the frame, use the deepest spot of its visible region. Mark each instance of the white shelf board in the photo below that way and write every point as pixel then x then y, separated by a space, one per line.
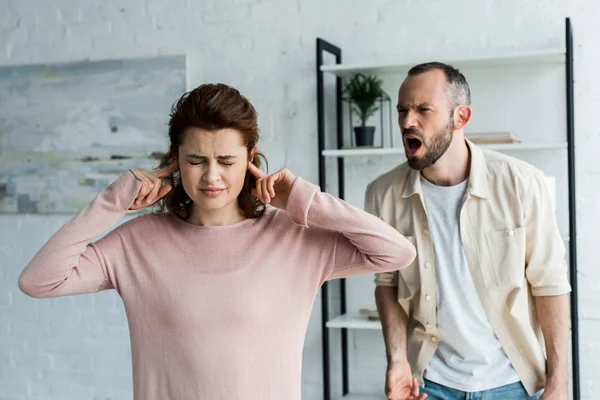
pixel 353 321
pixel 526 146
pixel 400 150
pixel 363 396
pixel 550 56
pixel 364 152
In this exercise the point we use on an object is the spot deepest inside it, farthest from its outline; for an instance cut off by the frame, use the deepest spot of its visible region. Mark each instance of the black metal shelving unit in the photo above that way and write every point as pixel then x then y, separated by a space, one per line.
pixel 322 48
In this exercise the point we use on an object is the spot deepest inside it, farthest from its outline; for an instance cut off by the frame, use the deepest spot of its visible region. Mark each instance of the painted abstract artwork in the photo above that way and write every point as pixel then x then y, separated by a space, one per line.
pixel 68 130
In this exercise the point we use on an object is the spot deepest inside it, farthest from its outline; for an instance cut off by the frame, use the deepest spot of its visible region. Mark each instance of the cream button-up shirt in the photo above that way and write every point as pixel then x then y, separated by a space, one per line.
pixel 513 249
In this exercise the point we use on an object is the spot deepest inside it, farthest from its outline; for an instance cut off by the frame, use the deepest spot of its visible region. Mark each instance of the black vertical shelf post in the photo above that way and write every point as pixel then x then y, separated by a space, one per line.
pixel 323 46
pixel 572 209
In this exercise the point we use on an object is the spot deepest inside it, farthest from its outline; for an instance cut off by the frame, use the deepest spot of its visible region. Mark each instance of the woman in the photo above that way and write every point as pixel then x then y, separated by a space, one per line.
pixel 217 288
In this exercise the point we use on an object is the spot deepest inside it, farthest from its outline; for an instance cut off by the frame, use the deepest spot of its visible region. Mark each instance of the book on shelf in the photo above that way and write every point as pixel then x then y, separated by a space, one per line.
pixel 492 137
pixel 361 147
pixel 371 315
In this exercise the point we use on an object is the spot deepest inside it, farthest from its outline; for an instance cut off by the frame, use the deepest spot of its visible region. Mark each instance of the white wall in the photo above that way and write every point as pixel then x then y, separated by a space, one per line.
pixel 77 348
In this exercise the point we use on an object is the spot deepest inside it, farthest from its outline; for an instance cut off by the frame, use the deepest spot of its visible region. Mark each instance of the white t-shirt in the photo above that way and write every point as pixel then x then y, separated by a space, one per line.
pixel 469 357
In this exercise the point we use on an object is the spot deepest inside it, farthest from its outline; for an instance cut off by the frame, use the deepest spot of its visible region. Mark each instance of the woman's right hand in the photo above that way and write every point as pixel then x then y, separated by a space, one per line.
pixel 152 189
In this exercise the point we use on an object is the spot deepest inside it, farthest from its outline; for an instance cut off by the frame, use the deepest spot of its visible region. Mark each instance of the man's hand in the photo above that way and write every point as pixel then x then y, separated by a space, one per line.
pixel 555 392
pixel 399 383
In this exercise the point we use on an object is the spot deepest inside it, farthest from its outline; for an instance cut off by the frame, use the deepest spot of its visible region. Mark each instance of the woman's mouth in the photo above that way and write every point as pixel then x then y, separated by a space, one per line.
pixel 212 192
pixel 412 145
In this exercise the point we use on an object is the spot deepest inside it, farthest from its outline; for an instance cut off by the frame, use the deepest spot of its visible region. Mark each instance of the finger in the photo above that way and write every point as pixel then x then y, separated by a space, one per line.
pixel 254 170
pixel 265 190
pixel 271 184
pixel 390 394
pixel 142 192
pixel 415 387
pixel 166 171
pixel 389 390
pixel 154 192
pixel 138 203
pixel 162 192
pixel 259 193
pixel 133 206
pixel 141 176
pixel 137 196
pixel 148 186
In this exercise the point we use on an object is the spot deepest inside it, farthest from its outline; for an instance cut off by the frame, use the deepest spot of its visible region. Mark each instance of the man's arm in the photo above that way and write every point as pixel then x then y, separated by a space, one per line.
pixel 547 273
pixel 399 383
pixel 394 322
pixel 553 314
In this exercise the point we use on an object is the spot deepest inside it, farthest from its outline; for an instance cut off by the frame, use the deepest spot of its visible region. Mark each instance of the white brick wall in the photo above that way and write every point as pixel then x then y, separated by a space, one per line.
pixel 77 348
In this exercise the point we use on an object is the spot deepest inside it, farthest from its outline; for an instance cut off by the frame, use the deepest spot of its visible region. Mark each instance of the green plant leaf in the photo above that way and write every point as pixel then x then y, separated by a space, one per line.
pixel 364 92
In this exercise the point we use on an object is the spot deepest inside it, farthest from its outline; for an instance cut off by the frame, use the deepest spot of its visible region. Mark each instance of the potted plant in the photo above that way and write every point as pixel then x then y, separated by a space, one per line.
pixel 363 92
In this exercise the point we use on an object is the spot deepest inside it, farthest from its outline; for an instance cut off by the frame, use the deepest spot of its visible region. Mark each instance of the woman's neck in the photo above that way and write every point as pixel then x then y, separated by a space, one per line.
pixel 220 217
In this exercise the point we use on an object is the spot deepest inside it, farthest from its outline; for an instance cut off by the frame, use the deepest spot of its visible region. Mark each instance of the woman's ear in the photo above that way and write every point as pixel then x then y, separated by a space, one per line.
pixel 253 153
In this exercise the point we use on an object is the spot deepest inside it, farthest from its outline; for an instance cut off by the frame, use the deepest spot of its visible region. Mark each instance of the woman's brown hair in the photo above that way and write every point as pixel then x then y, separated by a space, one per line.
pixel 211 107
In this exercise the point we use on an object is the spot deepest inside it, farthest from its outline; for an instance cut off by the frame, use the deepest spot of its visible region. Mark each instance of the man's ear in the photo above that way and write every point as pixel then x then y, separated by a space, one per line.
pixel 462 116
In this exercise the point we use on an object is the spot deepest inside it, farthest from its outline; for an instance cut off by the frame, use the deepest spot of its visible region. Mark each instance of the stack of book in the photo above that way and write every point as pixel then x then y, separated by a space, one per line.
pixel 493 137
pixel 371 315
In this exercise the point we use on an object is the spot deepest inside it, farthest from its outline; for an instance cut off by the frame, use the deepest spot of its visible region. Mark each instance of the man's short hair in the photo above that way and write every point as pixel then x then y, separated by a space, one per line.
pixel 458 91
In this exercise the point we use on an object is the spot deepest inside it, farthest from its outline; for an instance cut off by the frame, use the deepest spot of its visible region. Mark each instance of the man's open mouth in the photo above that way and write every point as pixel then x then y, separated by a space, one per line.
pixel 412 145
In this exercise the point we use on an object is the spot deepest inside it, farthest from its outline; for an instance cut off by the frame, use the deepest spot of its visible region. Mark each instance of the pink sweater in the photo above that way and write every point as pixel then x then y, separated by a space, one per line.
pixel 215 312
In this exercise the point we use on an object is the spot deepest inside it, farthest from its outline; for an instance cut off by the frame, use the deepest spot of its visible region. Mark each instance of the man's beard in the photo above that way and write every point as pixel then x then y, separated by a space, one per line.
pixel 436 147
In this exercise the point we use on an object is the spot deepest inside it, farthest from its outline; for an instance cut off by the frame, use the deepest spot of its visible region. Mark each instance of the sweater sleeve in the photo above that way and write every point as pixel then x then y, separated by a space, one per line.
pixel 68 264
pixel 365 243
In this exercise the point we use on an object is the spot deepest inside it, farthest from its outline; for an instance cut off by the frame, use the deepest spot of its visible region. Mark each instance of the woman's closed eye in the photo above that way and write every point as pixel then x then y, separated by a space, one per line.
pixel 202 162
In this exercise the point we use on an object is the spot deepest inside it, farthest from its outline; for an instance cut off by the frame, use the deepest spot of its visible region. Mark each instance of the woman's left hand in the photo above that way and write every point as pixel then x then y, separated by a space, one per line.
pixel 272 189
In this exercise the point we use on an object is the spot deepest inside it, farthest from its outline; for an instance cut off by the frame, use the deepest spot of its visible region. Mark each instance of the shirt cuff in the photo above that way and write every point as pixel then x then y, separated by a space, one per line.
pixel 386 279
pixel 551 290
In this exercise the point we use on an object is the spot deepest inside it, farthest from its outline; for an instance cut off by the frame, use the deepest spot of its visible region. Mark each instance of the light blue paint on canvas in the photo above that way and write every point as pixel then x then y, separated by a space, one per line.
pixel 54 116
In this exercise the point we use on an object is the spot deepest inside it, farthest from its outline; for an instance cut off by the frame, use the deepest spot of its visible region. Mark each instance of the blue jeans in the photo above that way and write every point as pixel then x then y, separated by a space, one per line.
pixel 514 391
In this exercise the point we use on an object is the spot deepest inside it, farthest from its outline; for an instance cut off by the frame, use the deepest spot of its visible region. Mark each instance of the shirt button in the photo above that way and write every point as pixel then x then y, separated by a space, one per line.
pixel 429 326
pixel 427 265
pixel 511 233
pixel 426 231
pixel 434 339
pixel 428 297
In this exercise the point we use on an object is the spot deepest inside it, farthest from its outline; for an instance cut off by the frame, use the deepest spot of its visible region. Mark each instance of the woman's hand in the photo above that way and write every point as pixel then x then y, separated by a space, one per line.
pixel 152 189
pixel 272 189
